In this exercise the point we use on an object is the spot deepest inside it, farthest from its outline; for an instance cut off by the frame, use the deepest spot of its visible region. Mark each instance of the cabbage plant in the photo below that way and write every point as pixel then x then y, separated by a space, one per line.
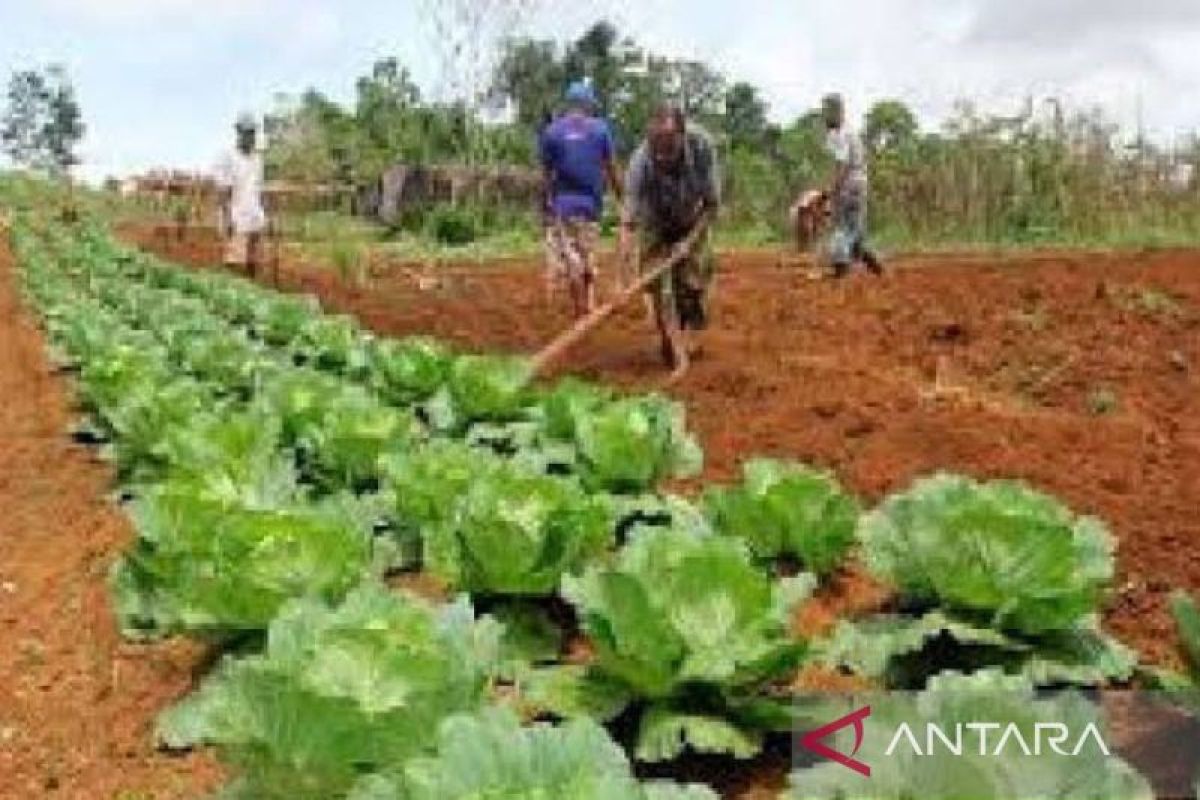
pixel 1015 558
pixel 783 509
pixel 340 691
pixel 489 755
pixel 514 532
pixel 691 626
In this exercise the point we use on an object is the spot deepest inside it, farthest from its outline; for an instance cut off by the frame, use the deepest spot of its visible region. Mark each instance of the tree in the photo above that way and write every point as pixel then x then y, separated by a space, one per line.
pixel 42 122
pixel 385 116
pixel 27 96
pixel 597 56
pixel 531 74
pixel 889 125
pixel 301 139
pixel 698 89
pixel 745 116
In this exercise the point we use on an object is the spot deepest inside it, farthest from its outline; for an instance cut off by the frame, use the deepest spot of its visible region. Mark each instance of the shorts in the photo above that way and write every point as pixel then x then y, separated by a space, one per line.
pixel 571 249
pixel 685 289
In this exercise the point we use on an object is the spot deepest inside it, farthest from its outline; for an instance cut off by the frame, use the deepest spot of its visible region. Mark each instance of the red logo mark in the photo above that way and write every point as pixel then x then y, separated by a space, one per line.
pixel 812 741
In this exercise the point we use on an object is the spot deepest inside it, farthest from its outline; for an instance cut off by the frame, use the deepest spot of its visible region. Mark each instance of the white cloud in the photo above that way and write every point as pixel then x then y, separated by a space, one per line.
pixel 1134 59
pixel 161 78
pixel 1065 23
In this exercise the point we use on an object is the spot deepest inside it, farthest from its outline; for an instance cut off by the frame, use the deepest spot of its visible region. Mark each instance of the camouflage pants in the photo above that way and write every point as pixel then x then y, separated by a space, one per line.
pixel 685 288
pixel 571 249
pixel 849 237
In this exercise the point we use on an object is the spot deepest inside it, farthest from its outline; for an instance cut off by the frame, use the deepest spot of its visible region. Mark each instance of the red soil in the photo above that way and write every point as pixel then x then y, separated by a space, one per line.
pixel 77 704
pixel 989 366
pixel 972 364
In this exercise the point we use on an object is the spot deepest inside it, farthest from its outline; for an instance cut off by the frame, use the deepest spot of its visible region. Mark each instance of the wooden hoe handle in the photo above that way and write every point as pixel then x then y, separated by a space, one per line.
pixel 551 353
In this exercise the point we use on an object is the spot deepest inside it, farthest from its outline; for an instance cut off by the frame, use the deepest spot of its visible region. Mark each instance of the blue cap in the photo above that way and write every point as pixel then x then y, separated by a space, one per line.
pixel 580 93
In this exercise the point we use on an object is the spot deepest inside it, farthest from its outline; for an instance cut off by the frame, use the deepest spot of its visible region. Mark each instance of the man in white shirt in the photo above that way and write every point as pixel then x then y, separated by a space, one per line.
pixel 239 177
pixel 847 192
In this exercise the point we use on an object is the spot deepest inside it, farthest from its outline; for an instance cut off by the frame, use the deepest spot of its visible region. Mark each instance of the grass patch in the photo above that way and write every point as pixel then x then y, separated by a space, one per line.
pixel 1102 401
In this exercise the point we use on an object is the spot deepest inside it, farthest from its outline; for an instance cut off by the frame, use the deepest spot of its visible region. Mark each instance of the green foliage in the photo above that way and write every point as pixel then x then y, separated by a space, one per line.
pixel 284 319
pixel 333 343
pixel 628 80
pixel 787 510
pixel 425 483
pixel 1187 617
pixel 339 692
pixel 233 459
pixel 889 128
pixel 490 755
pixel 1040 176
pixel 349 258
pixel 42 122
pixel 489 388
pixel 271 451
pixel 530 635
pixel 512 532
pixel 745 115
pixel 353 437
pixel 142 422
pixel 1102 401
pixel 1002 552
pixel 200 564
pixel 688 623
pixel 302 399
pixel 570 400
pixel 451 225
pixel 630 444
pixel 409 370
pixel 903 652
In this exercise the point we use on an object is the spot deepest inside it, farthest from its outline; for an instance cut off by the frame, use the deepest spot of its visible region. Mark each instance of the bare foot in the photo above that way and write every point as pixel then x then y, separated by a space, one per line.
pixel 674 379
pixel 678 373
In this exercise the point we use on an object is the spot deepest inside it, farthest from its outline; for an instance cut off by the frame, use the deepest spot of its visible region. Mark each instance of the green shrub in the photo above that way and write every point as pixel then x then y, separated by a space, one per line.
pixel 452 225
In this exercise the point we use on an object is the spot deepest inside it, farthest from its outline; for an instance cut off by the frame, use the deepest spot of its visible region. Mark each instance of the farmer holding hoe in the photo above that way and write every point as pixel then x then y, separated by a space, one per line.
pixel 239 178
pixel 672 194
pixel 847 192
pixel 577 160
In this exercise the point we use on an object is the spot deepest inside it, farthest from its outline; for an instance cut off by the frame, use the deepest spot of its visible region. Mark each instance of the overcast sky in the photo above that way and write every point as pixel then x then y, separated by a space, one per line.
pixel 161 80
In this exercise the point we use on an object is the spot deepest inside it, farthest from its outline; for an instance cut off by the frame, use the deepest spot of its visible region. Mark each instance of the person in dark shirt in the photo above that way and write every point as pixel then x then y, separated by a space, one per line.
pixel 576 151
pixel 672 194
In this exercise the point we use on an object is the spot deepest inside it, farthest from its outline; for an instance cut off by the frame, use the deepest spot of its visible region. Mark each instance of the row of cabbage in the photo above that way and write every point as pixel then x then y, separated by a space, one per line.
pixel 278 462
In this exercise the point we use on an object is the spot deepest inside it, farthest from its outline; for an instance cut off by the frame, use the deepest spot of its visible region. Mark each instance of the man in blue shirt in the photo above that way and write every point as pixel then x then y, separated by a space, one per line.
pixel 576 151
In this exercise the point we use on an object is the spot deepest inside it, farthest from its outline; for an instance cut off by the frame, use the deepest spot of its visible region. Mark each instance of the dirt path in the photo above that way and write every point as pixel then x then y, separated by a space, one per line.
pixel 76 704
pixel 1077 372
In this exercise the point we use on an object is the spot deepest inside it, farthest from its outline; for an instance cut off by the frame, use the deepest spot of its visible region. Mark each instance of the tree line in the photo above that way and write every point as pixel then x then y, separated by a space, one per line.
pixel 1045 174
